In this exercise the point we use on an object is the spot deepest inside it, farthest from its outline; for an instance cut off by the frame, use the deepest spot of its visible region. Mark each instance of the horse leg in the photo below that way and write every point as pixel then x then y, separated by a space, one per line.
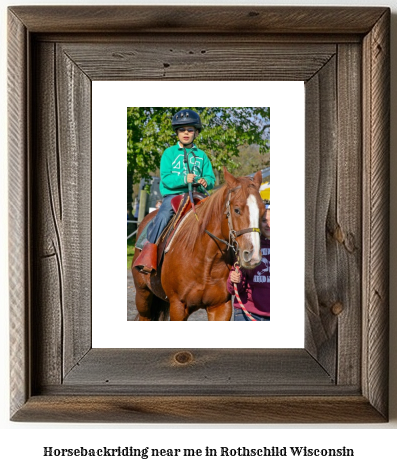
pixel 178 310
pixel 222 312
pixel 143 301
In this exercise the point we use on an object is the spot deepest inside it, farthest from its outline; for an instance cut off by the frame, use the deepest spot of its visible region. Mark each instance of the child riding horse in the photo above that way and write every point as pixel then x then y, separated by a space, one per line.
pixel 180 165
pixel 196 266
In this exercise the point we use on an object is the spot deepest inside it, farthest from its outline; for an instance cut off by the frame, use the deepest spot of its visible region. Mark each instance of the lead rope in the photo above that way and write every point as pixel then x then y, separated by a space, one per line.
pixel 236 266
pixel 231 244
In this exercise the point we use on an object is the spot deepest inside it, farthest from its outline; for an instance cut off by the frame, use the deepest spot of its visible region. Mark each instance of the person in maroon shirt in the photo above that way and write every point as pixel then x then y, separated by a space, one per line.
pixel 253 286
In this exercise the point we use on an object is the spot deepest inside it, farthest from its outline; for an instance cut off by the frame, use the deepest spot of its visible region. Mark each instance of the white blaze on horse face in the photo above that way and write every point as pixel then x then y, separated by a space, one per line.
pixel 253 238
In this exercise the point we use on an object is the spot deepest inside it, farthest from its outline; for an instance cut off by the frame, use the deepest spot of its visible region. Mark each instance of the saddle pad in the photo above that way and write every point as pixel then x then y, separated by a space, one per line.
pixel 142 238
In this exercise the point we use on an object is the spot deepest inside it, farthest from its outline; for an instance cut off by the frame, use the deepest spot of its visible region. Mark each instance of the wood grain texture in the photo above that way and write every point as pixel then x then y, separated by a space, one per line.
pixel 19 259
pixel 320 262
pixel 48 244
pixel 62 208
pixel 198 409
pixel 205 368
pixel 346 227
pixel 376 91
pixel 333 215
pixel 341 375
pixel 198 19
pixel 74 155
pixel 216 59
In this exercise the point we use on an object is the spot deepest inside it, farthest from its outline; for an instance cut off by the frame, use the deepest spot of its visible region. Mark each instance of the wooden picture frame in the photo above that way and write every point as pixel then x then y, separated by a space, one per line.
pixel 342 54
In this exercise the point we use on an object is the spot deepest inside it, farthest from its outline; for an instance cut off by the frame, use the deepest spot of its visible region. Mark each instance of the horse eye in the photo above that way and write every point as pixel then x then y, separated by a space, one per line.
pixel 237 210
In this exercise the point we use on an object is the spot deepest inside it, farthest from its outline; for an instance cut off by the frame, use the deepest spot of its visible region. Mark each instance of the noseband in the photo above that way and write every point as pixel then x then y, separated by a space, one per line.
pixel 232 243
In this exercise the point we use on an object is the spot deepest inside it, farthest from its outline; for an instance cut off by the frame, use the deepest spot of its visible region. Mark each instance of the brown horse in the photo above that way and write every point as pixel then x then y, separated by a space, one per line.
pixel 198 260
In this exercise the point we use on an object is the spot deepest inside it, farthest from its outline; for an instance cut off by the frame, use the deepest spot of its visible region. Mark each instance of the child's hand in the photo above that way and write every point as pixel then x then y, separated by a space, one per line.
pixel 235 277
pixel 203 182
pixel 190 177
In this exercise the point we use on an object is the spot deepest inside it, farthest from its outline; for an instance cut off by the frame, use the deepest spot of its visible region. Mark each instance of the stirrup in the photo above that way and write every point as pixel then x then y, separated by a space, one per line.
pixel 147 259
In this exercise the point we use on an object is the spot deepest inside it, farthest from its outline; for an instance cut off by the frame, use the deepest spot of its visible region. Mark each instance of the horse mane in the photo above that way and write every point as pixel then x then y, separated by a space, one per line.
pixel 212 207
pixel 191 229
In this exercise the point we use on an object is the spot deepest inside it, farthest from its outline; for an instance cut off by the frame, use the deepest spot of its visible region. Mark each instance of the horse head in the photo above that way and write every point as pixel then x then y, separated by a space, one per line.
pixel 244 210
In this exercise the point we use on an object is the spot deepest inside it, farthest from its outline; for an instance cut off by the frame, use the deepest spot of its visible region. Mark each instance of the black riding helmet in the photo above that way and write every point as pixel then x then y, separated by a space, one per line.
pixel 186 118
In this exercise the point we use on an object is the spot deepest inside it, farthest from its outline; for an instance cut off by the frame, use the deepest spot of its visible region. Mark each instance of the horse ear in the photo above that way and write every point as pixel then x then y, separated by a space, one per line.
pixel 229 179
pixel 258 179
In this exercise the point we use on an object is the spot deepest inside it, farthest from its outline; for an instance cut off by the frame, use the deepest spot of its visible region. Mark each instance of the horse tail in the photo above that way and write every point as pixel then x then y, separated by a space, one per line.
pixel 159 310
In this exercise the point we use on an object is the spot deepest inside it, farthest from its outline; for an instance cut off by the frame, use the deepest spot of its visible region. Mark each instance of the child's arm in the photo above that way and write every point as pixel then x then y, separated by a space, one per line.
pixel 208 173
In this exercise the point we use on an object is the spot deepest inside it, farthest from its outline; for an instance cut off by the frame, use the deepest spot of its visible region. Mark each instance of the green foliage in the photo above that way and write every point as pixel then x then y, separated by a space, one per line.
pixel 251 160
pixel 225 132
pixel 130 250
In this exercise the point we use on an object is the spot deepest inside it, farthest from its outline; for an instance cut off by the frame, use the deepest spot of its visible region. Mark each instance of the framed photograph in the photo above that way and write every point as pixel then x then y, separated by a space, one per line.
pixel 109 101
pixel 340 374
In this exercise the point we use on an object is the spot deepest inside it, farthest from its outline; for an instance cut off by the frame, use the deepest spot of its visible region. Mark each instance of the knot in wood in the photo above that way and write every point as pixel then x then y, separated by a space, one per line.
pixel 337 308
pixel 183 358
pixel 338 235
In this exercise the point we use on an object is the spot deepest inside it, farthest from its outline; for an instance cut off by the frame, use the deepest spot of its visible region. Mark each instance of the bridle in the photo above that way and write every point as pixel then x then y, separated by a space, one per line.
pixel 233 234
pixel 233 244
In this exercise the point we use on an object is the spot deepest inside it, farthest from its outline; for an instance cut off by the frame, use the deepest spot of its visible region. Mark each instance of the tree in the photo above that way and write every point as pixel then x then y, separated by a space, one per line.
pixel 225 131
pixel 251 160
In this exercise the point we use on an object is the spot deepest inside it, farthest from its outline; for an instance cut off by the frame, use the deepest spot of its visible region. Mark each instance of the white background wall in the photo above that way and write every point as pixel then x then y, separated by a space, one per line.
pixel 22 444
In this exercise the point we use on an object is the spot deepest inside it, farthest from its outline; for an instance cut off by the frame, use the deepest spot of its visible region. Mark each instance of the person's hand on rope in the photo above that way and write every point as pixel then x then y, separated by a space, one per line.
pixel 235 276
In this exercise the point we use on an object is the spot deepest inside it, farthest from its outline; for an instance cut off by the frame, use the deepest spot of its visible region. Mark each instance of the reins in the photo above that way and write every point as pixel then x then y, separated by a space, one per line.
pixel 189 185
pixel 233 234
pixel 233 244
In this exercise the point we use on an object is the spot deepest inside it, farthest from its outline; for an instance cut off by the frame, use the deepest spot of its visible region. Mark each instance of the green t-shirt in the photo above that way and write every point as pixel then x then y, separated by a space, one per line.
pixel 173 170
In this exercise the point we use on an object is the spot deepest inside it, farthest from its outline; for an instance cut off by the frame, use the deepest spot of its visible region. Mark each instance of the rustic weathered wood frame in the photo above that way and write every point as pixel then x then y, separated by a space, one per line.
pixel 342 54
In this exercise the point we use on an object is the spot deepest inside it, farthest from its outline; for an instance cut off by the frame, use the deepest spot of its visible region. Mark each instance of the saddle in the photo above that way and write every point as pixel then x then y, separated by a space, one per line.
pixel 181 204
